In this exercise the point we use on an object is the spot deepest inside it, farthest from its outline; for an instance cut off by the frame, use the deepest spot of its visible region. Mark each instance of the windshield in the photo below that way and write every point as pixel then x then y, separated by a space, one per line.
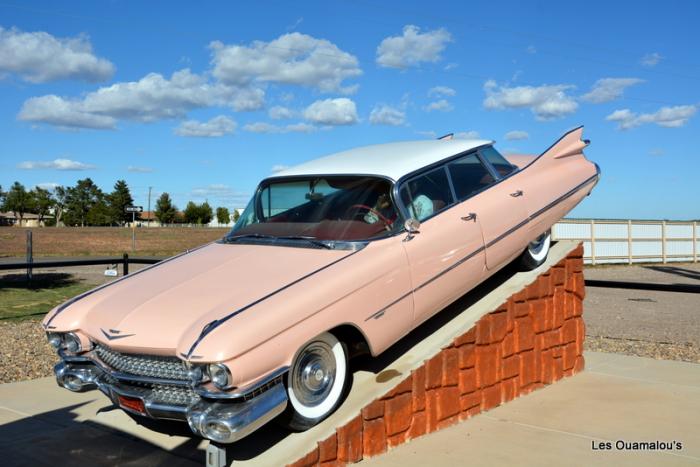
pixel 319 208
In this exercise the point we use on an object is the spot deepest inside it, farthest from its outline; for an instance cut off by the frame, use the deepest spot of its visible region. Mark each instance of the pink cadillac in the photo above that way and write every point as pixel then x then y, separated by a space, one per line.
pixel 338 256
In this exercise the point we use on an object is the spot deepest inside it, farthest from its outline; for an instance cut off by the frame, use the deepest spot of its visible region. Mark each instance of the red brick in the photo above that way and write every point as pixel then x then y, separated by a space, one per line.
pixel 548 283
pixel 491 397
pixel 403 387
pixel 418 390
pixel 559 307
pixel 577 252
pixel 538 313
pixel 578 306
pixel 328 449
pixel 373 437
pixel 374 409
pixel 521 296
pixel 447 402
pixel 470 413
pixel 569 310
pixel 418 425
pixel 499 326
pixel 450 367
pixel 433 369
pixel 521 309
pixel 509 389
pixel 469 401
pixel 431 402
pixel 579 285
pixel 532 291
pixel 524 334
pixel 467 381
pixel 487 365
pixel 350 441
pixel 570 285
pixel 397 414
pixel 547 367
pixel 511 366
pixel 508 345
pixel 558 275
pixel 569 331
pixel 558 351
pixel 552 339
pixel 569 356
pixel 483 330
pixel 528 368
pixel 397 440
pixel 558 369
pixel 510 314
pixel 307 461
pixel 442 424
pixel 468 337
pixel 467 355
pixel 580 364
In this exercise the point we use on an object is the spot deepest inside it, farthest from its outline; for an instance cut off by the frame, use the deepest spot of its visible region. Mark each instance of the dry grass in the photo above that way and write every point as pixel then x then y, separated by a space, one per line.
pixel 104 241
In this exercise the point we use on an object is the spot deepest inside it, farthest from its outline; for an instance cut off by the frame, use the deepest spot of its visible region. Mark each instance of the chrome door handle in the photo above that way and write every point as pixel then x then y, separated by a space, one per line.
pixel 470 217
pixel 517 193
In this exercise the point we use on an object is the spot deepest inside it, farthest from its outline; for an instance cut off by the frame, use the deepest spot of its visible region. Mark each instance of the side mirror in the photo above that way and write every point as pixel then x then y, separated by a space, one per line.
pixel 412 227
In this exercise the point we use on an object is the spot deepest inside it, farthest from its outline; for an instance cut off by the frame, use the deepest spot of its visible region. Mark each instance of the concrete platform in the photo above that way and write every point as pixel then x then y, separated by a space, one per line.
pixel 616 397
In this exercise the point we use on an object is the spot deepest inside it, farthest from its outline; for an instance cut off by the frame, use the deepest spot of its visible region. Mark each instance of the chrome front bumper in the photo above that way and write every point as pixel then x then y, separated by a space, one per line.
pixel 223 421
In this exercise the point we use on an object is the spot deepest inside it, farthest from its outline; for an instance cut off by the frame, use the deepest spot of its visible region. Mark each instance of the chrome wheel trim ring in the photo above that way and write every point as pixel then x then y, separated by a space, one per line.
pixel 314 374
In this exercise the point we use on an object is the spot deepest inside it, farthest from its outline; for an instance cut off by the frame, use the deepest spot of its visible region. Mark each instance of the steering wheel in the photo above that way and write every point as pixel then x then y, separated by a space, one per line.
pixel 373 211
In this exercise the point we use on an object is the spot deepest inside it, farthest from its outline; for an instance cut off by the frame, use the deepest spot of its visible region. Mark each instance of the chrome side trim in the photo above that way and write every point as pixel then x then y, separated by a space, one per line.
pixel 218 322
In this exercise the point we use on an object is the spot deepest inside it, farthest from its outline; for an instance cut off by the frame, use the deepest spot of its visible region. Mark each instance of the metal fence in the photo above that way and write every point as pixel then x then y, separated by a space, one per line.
pixel 632 241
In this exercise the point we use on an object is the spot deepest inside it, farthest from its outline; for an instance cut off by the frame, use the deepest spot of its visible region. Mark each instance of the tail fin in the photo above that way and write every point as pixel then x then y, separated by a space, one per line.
pixel 571 144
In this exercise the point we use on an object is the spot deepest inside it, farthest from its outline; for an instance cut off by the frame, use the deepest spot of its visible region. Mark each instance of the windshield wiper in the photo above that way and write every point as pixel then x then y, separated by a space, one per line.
pixel 308 239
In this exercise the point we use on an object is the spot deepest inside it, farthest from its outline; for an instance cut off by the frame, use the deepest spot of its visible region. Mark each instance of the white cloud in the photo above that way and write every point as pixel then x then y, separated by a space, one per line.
pixel 264 127
pixel 217 126
pixel 516 135
pixel 219 193
pixel 531 49
pixel 139 170
pixel 56 164
pixel 63 113
pixel 450 66
pixel 471 134
pixel 546 102
pixel 387 115
pixel 293 58
pixel 441 91
pixel 278 168
pixel 412 47
pixel 668 117
pixel 279 112
pixel 651 59
pixel 340 111
pixel 39 57
pixel 609 89
pixel 441 105
pixel 48 185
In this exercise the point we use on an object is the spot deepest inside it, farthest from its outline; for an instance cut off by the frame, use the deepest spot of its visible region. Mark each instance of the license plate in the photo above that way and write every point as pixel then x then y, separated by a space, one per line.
pixel 133 404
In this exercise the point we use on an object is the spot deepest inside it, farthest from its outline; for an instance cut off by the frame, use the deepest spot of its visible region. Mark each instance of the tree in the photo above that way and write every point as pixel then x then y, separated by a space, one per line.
pixel 17 200
pixel 165 209
pixel 80 199
pixel 100 213
pixel 198 213
pixel 235 215
pixel 60 198
pixel 206 213
pixel 118 200
pixel 43 202
pixel 2 196
pixel 223 216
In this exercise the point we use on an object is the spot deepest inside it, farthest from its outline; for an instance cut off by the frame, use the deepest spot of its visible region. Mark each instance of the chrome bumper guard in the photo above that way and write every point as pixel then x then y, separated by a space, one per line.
pixel 223 421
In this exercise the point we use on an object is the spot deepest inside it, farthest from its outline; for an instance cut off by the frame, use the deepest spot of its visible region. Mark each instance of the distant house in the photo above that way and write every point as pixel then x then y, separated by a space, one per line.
pixel 28 220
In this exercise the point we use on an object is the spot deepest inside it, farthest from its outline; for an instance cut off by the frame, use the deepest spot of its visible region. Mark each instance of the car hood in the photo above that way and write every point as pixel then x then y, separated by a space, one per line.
pixel 163 309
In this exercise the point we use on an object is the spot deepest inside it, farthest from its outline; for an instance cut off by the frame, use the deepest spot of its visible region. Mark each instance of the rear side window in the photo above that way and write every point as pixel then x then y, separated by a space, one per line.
pixel 502 166
pixel 469 176
pixel 427 194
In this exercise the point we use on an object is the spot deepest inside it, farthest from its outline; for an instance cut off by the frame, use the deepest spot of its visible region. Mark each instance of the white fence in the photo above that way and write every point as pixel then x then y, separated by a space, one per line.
pixel 632 241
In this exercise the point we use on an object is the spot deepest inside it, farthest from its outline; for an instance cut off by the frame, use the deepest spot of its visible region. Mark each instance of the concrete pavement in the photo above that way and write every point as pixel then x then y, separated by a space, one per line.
pixel 615 398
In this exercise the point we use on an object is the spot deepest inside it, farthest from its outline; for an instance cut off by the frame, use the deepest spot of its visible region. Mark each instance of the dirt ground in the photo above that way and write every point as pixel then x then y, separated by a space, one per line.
pixel 104 241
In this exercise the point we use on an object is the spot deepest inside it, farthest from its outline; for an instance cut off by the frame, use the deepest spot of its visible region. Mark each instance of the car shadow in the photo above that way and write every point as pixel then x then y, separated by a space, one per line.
pixel 689 273
pixel 44 280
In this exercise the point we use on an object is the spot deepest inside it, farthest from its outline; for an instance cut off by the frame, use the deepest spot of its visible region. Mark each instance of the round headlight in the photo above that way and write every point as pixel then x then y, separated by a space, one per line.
pixel 54 339
pixel 220 375
pixel 196 374
pixel 71 343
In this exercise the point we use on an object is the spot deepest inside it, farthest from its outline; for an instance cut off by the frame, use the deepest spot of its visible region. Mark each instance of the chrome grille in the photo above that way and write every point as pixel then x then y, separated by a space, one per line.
pixel 174 395
pixel 153 366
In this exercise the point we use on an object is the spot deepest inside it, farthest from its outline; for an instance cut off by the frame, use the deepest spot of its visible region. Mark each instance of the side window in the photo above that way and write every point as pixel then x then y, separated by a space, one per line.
pixel 427 194
pixel 469 175
pixel 502 166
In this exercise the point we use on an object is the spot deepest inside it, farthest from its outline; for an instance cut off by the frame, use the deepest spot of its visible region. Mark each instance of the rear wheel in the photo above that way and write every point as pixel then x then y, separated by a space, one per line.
pixel 536 252
pixel 316 382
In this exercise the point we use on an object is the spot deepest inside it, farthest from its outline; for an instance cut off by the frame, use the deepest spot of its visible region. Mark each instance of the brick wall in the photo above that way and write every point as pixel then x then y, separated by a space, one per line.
pixel 533 339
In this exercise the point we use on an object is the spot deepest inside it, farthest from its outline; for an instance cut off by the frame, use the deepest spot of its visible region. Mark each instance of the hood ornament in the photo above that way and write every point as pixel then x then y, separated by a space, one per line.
pixel 115 334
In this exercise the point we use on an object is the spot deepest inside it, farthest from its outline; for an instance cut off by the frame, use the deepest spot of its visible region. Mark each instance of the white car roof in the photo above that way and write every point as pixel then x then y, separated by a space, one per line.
pixel 392 160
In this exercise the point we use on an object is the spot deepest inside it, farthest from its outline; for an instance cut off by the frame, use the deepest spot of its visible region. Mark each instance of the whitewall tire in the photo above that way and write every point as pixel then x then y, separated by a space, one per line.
pixel 536 252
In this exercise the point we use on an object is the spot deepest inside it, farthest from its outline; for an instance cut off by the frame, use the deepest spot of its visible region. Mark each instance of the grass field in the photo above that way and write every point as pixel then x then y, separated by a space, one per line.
pixel 104 241
pixel 20 300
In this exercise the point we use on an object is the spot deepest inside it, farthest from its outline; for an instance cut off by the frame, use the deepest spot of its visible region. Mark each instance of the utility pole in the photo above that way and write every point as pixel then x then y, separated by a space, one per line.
pixel 148 220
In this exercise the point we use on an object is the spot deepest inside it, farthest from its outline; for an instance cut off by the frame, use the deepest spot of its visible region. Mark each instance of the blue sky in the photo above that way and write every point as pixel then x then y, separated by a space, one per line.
pixel 204 101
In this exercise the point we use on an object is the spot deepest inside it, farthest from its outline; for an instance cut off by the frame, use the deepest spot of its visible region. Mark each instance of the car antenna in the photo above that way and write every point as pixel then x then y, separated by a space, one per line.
pixel 447 137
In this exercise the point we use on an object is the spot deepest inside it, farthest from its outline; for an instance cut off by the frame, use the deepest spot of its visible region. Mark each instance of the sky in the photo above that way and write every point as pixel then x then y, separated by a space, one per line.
pixel 204 99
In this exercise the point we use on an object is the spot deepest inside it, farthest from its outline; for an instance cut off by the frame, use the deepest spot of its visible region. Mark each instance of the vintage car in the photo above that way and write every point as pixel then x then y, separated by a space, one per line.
pixel 337 256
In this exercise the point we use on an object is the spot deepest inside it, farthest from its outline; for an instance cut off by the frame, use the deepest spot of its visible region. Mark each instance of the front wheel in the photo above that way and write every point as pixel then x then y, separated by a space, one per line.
pixel 316 382
pixel 536 252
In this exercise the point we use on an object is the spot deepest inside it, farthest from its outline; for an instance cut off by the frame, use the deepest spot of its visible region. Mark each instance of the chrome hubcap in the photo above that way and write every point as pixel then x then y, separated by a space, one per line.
pixel 313 374
pixel 537 244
